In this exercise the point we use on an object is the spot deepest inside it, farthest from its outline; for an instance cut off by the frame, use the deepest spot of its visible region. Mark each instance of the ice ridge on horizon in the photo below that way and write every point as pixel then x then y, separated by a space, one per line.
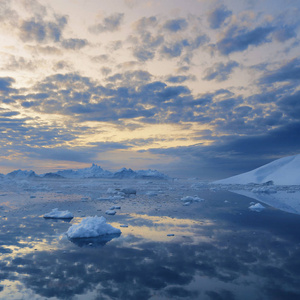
pixel 94 171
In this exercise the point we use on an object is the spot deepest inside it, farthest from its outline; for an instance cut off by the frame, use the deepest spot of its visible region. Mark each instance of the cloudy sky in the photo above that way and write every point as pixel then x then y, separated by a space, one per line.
pixel 203 88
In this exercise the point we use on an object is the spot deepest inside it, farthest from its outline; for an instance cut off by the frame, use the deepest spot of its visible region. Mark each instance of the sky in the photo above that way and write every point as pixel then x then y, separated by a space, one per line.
pixel 194 88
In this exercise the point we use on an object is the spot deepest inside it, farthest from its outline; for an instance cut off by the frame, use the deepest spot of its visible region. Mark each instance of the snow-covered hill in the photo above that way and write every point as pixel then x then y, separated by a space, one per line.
pixel 283 171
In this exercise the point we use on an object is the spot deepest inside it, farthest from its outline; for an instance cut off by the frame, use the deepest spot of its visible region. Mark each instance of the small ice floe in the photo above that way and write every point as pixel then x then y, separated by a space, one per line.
pixel 91 227
pixel 186 203
pixel 56 214
pixel 170 234
pixel 84 199
pixel 32 197
pixel 191 199
pixel 115 207
pixel 257 207
pixel 110 212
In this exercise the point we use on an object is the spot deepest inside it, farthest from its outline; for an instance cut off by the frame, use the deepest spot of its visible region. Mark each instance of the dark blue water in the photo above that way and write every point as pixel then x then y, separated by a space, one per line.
pixel 220 250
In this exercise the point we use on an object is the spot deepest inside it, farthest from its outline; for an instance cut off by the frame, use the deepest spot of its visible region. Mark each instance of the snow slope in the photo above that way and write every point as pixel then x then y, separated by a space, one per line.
pixel 283 171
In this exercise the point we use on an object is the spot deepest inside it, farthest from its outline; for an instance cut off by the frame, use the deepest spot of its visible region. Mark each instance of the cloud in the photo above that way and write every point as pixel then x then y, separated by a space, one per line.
pixel 220 71
pixel 231 155
pixel 290 71
pixel 5 84
pixel 109 24
pixel 42 31
pixel 180 78
pixel 284 33
pixel 74 44
pixel 217 17
pixel 238 39
pixel 20 63
pixel 290 105
pixel 176 25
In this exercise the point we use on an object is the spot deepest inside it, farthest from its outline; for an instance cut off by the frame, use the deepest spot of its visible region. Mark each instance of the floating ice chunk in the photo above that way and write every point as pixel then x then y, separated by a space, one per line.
pixel 111 191
pixel 115 207
pixel 56 214
pixel 191 199
pixel 91 227
pixel 257 207
pixel 186 204
pixel 170 234
pixel 110 212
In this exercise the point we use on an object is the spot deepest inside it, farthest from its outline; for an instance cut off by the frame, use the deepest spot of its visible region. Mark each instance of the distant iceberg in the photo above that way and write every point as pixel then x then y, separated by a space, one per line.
pixel 283 171
pixel 94 171
pixel 20 174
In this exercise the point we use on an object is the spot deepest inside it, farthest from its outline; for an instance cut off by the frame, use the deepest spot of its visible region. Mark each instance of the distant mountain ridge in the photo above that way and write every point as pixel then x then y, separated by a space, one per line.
pixel 283 171
pixel 94 171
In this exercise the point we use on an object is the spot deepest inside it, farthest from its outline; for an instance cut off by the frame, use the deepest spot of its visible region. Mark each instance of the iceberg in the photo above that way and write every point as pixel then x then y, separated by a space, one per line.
pixel 257 207
pixel 20 174
pixel 56 214
pixel 283 171
pixel 91 227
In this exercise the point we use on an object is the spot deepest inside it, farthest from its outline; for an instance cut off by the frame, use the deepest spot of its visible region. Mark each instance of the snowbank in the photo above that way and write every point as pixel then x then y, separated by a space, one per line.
pixel 56 214
pixel 91 227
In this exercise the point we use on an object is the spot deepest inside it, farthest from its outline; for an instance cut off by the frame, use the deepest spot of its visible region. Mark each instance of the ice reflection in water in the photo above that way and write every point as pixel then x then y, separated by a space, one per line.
pixel 220 250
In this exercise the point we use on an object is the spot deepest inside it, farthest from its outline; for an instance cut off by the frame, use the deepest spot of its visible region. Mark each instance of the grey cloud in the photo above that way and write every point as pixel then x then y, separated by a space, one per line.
pixel 61 65
pixel 287 72
pixel 284 33
pixel 238 39
pixel 74 44
pixel 109 24
pixel 180 78
pixel 220 71
pixel 234 154
pixel 5 84
pixel 20 63
pixel 290 105
pixel 176 25
pixel 217 17
pixel 40 31
pixel 145 22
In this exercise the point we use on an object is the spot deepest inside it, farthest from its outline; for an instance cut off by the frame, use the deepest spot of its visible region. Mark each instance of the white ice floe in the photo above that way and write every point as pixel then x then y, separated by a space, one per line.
pixel 257 207
pixel 56 214
pixel 191 199
pixel 91 227
pixel 110 212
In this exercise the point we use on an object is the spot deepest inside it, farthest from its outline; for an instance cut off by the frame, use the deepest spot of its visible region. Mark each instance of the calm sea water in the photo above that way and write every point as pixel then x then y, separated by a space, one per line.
pixel 218 248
